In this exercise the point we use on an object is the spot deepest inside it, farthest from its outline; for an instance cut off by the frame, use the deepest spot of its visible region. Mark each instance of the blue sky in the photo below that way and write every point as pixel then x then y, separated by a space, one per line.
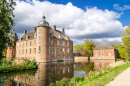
pixel 100 20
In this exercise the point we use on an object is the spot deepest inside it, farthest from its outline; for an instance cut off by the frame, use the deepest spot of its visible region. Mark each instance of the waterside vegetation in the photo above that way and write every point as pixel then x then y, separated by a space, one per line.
pixel 94 78
pixel 16 65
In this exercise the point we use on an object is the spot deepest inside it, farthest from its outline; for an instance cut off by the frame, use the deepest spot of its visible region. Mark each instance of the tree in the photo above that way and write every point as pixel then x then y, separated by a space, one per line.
pixel 89 45
pixel 126 41
pixel 121 50
pixel 6 22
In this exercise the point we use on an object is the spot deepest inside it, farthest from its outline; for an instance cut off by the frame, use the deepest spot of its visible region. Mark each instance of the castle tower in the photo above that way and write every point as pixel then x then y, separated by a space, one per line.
pixel 43 41
pixel 11 48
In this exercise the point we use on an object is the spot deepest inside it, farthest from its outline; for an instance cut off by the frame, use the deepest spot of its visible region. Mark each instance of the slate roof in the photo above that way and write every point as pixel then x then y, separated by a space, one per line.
pixel 75 51
pixel 104 45
pixel 55 33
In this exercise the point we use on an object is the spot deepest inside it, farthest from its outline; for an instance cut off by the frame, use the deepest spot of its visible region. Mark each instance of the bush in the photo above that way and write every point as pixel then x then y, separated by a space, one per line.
pixel 16 65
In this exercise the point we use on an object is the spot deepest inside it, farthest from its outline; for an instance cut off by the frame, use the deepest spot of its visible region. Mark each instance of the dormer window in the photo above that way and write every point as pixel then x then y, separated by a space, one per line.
pixel 20 39
pixel 60 37
pixel 26 37
pixel 12 39
pixel 35 35
pixel 67 38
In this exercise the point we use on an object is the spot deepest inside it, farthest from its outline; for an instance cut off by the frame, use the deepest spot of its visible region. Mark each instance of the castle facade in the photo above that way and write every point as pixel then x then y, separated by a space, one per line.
pixel 43 44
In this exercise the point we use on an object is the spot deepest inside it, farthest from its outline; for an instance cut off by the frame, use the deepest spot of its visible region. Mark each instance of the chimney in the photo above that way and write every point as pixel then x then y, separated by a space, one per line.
pixel 63 31
pixel 25 32
pixel 54 27
pixel 34 29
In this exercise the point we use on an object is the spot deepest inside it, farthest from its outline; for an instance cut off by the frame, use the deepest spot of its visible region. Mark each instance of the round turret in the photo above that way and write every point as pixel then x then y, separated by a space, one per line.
pixel 43 22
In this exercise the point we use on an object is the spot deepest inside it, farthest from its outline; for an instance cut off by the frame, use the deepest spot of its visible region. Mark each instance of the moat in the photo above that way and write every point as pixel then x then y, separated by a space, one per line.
pixel 51 72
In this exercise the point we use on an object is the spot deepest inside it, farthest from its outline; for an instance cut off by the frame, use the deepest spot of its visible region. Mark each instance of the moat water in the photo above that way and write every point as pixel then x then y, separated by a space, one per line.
pixel 51 72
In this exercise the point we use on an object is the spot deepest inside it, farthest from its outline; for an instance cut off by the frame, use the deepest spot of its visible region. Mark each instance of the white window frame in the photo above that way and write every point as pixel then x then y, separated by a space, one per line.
pixel 68 50
pixel 63 50
pixel 51 41
pixel 67 44
pixel 40 30
pixel 39 39
pixel 63 43
pixel 57 42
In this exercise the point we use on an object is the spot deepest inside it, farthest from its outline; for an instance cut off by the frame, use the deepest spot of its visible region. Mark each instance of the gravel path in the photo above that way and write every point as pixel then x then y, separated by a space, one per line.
pixel 122 79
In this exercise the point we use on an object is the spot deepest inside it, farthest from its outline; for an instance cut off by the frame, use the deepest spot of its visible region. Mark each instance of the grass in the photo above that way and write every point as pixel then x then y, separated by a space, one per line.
pixel 103 77
pixel 16 65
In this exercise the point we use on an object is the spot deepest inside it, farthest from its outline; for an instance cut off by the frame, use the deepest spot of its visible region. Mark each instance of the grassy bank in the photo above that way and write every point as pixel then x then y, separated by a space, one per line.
pixel 103 77
pixel 94 78
pixel 16 65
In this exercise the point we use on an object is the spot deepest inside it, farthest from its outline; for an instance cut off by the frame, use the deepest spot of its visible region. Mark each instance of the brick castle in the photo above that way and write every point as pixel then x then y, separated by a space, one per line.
pixel 43 44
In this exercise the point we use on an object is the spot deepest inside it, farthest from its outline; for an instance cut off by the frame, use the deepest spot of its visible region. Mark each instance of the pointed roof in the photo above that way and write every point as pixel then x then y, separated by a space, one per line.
pixel 13 33
pixel 104 45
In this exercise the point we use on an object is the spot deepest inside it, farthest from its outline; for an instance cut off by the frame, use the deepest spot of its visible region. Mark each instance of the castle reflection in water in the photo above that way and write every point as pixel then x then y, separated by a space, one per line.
pixel 51 72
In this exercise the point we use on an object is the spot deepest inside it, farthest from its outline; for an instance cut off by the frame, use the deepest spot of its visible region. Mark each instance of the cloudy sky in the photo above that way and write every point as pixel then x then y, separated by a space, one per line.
pixel 100 20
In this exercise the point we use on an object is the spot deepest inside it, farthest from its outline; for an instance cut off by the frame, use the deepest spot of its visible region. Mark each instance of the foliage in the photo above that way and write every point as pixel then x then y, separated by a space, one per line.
pixel 126 42
pixel 8 66
pixel 121 50
pixel 67 82
pixel 87 48
pixel 6 22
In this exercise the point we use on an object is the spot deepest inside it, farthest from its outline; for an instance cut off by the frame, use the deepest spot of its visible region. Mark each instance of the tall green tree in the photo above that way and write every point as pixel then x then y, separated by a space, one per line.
pixel 6 22
pixel 121 50
pixel 126 41
pixel 89 45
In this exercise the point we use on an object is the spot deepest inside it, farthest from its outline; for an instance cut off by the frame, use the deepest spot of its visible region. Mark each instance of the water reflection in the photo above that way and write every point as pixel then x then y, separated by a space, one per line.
pixel 51 72
pixel 101 64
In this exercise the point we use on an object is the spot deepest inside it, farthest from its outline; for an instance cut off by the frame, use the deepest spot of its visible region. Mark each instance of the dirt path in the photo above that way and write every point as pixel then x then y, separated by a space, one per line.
pixel 122 79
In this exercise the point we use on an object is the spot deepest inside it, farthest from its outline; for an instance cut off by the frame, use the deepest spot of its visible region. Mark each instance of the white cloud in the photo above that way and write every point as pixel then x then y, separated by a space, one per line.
pixel 79 24
pixel 117 7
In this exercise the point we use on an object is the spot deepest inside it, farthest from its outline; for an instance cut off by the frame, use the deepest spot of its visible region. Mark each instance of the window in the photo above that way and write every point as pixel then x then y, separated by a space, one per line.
pixel 63 51
pixel 51 35
pixel 22 51
pixel 58 71
pixel 26 44
pixel 96 54
pixel 26 37
pixel 51 41
pixel 23 44
pixel 12 39
pixel 109 53
pixel 57 50
pixel 30 43
pixel 38 75
pixel 63 43
pixel 67 38
pixel 63 70
pixel 39 30
pixel 12 52
pixel 39 49
pixel 68 50
pixel 26 51
pixel 33 81
pixel 30 50
pixel 35 35
pixel 19 52
pixel 102 53
pixel 51 50
pixel 39 39
pixel 60 37
pixel 67 44
pixel 97 64
pixel 34 42
pixel 102 64
pixel 68 69
pixel 57 42
pixel 34 50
